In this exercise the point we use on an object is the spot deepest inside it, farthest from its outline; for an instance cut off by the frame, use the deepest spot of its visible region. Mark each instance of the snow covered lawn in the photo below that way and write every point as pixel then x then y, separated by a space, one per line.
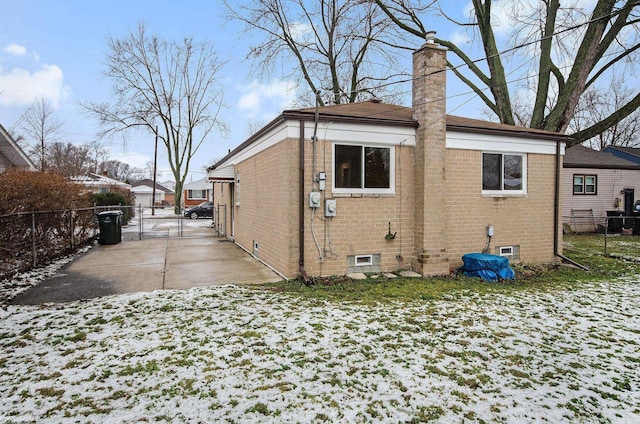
pixel 229 354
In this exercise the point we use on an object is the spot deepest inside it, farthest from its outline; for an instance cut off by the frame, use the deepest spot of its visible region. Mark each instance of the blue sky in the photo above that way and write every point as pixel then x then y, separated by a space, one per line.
pixel 56 50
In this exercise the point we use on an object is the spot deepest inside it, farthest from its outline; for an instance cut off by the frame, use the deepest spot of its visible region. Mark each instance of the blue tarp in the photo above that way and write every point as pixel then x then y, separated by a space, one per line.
pixel 488 267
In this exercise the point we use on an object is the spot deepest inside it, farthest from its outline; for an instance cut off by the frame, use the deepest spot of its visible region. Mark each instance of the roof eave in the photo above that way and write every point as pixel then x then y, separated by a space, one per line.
pixel 516 132
pixel 600 166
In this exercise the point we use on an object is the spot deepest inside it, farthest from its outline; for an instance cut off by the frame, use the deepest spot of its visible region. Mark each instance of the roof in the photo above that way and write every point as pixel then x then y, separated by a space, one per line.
pixel 580 156
pixel 202 184
pixel 97 180
pixel 374 112
pixel 633 151
pixel 631 154
pixel 149 183
pixel 10 149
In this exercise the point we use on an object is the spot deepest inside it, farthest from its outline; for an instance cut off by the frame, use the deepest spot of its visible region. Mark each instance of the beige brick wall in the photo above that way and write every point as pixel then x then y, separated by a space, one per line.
pixel 429 109
pixel 525 221
pixel 267 212
pixel 361 222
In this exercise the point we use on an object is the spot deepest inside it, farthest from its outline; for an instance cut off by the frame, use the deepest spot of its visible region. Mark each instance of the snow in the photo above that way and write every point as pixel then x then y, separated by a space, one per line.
pixel 233 354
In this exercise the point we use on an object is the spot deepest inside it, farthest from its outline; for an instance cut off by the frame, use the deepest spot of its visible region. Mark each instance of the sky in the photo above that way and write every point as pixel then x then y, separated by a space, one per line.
pixel 56 50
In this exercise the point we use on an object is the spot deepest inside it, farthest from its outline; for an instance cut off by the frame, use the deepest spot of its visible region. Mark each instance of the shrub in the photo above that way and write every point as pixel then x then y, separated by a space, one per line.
pixel 41 218
pixel 116 198
pixel 25 191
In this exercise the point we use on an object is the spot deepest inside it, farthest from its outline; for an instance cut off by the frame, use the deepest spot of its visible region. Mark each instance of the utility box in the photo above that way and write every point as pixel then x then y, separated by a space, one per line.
pixel 110 224
pixel 330 207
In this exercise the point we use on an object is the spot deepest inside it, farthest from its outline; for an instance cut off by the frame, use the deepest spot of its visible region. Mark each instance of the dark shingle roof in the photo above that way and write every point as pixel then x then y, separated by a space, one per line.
pixel 375 112
pixel 580 156
pixel 383 113
pixel 633 151
pixel 149 182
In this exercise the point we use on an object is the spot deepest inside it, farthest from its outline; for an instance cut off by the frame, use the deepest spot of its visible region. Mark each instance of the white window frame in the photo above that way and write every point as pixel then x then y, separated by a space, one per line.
pixel 503 192
pixel 367 258
pixel 506 251
pixel 190 194
pixel 392 170
pixel 584 185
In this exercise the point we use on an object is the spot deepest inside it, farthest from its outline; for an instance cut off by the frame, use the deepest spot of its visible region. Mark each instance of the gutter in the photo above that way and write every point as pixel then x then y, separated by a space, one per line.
pixel 556 213
pixel 303 273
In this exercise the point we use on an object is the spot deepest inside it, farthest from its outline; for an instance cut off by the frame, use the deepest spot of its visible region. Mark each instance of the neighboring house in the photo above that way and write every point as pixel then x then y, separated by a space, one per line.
pixel 595 184
pixel 373 187
pixel 170 196
pixel 11 155
pixel 143 192
pixel 171 186
pixel 631 154
pixel 96 183
pixel 196 192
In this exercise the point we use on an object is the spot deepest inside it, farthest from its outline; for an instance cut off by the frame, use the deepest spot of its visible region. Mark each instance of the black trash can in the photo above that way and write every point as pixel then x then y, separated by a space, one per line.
pixel 636 222
pixel 615 224
pixel 110 223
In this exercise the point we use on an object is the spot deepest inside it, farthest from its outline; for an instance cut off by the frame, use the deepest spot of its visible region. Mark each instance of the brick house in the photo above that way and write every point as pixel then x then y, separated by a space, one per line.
pixel 376 187
pixel 196 192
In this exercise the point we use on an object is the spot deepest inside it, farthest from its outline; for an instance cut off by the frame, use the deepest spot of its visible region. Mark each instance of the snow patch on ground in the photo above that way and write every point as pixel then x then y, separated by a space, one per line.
pixel 229 354
pixel 21 282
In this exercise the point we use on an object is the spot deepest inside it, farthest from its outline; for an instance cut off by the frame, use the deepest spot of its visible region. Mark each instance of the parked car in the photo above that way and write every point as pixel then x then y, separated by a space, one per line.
pixel 204 209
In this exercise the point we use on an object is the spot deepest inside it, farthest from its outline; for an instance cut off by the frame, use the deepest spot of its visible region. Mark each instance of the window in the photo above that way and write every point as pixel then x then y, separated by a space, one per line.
pixel 197 194
pixel 363 168
pixel 585 184
pixel 504 173
pixel 237 191
pixel 363 260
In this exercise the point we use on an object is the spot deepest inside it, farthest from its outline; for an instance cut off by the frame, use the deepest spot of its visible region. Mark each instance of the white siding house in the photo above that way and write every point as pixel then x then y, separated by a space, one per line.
pixel 594 183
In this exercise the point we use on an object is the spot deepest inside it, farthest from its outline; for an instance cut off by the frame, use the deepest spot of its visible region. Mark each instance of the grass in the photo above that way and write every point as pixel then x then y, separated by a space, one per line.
pixel 587 250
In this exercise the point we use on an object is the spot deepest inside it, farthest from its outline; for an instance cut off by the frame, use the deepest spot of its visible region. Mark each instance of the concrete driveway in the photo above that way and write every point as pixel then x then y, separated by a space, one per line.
pixel 147 265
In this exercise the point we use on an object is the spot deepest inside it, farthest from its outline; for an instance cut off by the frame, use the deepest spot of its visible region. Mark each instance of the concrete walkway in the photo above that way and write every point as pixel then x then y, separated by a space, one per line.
pixel 147 265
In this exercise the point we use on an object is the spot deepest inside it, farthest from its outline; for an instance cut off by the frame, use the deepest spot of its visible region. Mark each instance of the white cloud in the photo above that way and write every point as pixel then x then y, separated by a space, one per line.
pixel 19 87
pixel 260 98
pixel 15 50
pixel 300 32
pixel 135 160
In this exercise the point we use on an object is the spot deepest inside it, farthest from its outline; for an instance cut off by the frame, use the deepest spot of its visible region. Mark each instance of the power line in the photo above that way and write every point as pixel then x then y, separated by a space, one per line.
pixel 503 52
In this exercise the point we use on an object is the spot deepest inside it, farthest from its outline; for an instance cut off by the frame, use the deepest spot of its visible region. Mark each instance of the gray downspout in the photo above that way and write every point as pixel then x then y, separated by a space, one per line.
pixel 556 210
pixel 301 203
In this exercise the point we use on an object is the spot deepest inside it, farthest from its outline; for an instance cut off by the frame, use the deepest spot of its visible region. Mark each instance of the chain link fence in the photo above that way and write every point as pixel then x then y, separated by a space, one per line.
pixel 163 222
pixel 31 239
pixel 617 234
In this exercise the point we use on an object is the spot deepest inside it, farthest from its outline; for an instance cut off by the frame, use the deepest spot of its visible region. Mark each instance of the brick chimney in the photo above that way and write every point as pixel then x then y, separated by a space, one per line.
pixel 429 110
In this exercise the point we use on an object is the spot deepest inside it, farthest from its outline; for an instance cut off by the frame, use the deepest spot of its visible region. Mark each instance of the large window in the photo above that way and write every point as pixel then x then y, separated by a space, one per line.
pixel 197 194
pixel 504 173
pixel 362 168
pixel 585 184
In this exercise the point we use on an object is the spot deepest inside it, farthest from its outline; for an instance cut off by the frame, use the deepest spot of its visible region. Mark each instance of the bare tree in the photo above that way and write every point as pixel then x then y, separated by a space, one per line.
pixel 169 88
pixel 340 48
pixel 117 170
pixel 41 127
pixel 598 103
pixel 70 160
pixel 575 49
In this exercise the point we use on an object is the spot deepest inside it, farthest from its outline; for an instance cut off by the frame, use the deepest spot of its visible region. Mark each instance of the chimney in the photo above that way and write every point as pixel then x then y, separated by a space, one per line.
pixel 429 110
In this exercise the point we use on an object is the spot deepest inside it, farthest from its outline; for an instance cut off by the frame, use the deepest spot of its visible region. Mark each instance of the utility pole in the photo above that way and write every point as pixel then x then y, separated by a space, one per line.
pixel 155 164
